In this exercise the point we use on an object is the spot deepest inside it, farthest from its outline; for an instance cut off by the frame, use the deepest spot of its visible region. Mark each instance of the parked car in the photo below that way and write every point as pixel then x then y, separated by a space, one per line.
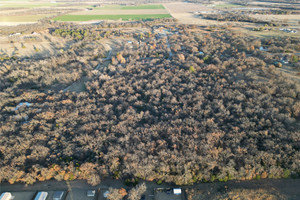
pixel 58 195
pixel 91 193
pixel 41 196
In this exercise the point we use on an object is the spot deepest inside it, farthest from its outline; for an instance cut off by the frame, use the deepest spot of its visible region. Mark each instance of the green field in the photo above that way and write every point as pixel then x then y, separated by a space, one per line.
pixel 111 17
pixel 137 7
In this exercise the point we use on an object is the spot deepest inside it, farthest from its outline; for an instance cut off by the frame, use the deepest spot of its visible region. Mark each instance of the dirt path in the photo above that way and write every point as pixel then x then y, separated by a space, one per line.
pixel 79 85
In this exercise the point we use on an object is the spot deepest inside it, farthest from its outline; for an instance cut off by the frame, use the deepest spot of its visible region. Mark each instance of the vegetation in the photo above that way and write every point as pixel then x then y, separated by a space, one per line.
pixel 137 7
pixel 225 194
pixel 185 117
pixel 227 5
pixel 228 16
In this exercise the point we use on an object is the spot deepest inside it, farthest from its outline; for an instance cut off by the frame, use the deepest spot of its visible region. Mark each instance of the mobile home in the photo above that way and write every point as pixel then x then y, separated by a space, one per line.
pixel 6 196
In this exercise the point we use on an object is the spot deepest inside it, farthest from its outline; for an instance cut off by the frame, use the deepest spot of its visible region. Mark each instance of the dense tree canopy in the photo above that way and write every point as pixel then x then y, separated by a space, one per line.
pixel 182 107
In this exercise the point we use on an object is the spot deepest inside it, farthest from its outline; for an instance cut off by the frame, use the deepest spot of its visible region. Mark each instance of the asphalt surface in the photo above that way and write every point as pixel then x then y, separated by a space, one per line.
pixel 288 187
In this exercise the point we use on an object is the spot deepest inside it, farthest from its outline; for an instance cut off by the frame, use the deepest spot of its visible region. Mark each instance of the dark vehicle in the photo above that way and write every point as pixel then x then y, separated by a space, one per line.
pixel 58 195
pixel 169 191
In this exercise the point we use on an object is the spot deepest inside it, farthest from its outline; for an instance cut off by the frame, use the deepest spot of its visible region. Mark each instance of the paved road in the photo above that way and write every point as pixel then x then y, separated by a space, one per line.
pixel 289 187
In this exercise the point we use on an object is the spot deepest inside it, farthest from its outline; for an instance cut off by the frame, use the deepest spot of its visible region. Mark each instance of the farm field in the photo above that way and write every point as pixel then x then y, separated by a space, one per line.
pixel 183 12
pixel 117 12
pixel 227 5
pixel 25 4
pixel 137 7
pixel 24 18
pixel 111 17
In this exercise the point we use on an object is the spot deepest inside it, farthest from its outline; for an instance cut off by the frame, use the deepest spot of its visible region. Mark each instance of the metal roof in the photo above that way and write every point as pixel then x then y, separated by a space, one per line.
pixel 5 196
pixel 41 196
pixel 177 191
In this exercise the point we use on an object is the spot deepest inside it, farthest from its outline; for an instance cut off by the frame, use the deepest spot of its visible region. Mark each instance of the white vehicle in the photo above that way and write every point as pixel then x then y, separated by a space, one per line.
pixel 6 196
pixel 105 194
pixel 41 196
pixel 177 191
pixel 91 193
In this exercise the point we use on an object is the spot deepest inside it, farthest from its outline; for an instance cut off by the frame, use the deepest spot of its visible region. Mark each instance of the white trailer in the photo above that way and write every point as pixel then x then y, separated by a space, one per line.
pixel 6 196
pixel 41 196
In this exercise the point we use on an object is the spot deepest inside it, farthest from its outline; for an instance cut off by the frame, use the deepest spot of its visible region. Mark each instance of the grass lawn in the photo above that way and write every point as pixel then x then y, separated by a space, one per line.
pixel 137 7
pixel 111 17
pixel 24 18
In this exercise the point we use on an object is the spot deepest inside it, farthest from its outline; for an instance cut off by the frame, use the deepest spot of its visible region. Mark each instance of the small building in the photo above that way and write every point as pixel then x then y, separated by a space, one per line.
pixel 22 104
pixel 91 193
pixel 105 194
pixel 263 48
pixel 58 195
pixel 6 196
pixel 177 191
pixel 41 196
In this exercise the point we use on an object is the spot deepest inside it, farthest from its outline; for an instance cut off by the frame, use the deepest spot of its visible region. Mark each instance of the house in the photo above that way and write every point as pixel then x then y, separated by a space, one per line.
pixel 177 191
pixel 22 104
pixel 15 34
pixel 41 196
pixel 263 48
pixel 6 196
pixel 58 195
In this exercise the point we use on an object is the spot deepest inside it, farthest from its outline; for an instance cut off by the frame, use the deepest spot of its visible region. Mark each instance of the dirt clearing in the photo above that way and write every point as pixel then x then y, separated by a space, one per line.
pixel 185 13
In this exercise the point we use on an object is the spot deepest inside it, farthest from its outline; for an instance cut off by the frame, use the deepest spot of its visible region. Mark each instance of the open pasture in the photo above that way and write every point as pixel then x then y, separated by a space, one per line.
pixel 136 7
pixel 118 12
pixel 26 4
pixel 23 18
pixel 111 17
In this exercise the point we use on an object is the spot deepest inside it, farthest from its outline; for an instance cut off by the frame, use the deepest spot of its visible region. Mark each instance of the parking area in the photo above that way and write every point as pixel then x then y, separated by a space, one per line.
pixel 23 195
pixel 31 195
pixel 168 194
pixel 80 194
pixel 100 194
